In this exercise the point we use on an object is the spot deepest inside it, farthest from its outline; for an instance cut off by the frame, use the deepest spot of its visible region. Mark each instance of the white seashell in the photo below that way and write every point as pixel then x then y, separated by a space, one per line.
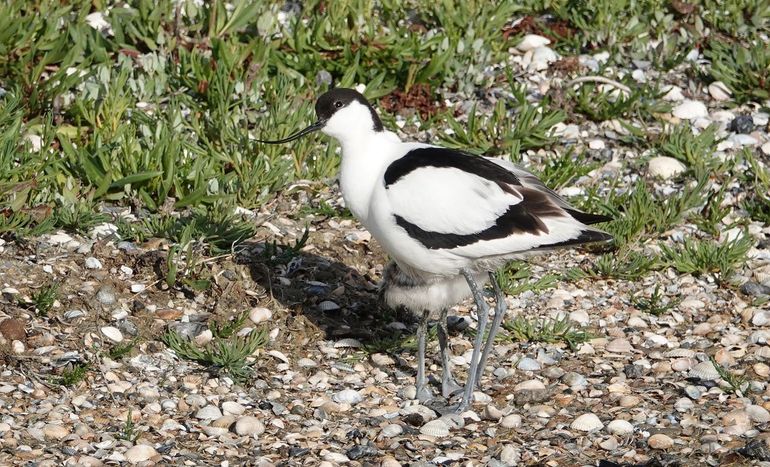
pixel 679 353
pixel 93 263
pixel 761 318
pixel 541 57
pixel 619 345
pixel 673 94
pixel 511 421
pixel 260 314
pixel 278 355
pixel 453 420
pixel 705 371
pixel 391 430
pixel 758 414
pixel 328 305
pixel 620 427
pixel 690 110
pixel 437 428
pixel 204 338
pixel 528 364
pixel 72 314
pixel 529 385
pixel 587 422
pixel 682 364
pixel 531 42
pixel 719 91
pixel 112 333
pixel 348 396
pixel 348 343
pixel 660 441
pixel 426 413
pixel 665 167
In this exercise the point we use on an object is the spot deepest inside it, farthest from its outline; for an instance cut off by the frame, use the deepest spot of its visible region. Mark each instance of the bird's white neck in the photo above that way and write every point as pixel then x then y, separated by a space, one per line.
pixel 365 156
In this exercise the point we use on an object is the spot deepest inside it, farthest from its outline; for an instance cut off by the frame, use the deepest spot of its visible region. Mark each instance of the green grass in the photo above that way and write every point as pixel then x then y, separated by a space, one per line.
pixel 656 304
pixel 696 256
pixel 231 356
pixel 734 383
pixel 72 376
pixel 526 329
pixel 44 298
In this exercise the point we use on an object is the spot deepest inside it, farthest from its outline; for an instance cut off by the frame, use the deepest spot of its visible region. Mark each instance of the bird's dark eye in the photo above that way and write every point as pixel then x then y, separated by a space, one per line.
pixel 338 104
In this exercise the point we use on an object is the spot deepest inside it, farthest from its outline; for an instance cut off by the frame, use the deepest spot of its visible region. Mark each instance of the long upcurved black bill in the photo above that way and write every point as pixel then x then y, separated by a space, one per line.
pixel 314 127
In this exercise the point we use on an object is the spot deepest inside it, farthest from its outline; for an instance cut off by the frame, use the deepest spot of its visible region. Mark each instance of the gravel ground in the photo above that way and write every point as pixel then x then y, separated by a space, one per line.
pixel 642 391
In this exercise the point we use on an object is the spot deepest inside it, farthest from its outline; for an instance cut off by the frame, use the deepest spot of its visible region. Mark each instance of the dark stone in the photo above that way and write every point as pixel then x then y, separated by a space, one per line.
pixel 355 434
pixel 414 419
pixel 634 371
pixel 758 449
pixel 298 452
pixel 361 450
pixel 742 124
pixel 752 289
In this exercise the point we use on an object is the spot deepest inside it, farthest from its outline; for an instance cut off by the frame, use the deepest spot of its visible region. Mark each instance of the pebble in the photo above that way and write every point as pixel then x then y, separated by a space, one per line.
pixel 587 422
pixel 509 455
pixel 491 412
pixel 249 426
pixel 528 364
pixel 232 408
pixel 140 453
pixel 17 347
pixel 106 295
pixel 13 329
pixel 619 345
pixel 665 167
pixel 391 430
pixel 348 396
pixel 761 318
pixel 137 288
pixel 690 110
pixel 742 124
pixel 660 441
pixel 609 444
pixel 93 263
pixel 752 289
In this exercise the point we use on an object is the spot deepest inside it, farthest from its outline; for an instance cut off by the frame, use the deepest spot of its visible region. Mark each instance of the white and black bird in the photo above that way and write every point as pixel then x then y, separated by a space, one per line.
pixel 447 218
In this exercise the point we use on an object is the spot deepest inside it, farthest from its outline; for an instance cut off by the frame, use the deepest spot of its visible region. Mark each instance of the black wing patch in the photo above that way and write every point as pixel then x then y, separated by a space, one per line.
pixel 443 157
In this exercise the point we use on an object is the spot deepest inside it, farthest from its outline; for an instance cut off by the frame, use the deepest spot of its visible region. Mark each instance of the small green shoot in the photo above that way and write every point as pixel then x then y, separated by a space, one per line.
pixel 73 375
pixel 735 383
pixel 275 254
pixel 129 432
pixel 516 277
pixel 657 304
pixel 549 331
pixel 118 351
pixel 44 299
pixel 227 329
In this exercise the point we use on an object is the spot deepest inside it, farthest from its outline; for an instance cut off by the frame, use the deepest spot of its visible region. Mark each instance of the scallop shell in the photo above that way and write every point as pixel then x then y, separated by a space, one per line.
pixel 705 371
pixel 348 343
pixel 620 427
pixel 587 422
pixel 437 428
pixel 619 346
pixel 453 420
pixel 682 364
pixel 391 430
pixel 680 353
pixel 328 305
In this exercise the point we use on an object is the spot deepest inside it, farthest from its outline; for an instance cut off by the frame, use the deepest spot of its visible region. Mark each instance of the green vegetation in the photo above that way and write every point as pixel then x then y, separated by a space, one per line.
pixel 72 375
pixel 561 329
pixel 45 297
pixel 231 355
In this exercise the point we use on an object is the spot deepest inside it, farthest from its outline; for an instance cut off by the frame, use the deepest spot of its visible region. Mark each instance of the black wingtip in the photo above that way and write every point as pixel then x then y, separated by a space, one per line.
pixel 587 218
pixel 586 236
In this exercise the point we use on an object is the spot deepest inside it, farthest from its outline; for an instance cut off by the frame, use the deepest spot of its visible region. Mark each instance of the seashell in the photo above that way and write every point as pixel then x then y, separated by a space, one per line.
pixel 391 430
pixel 719 91
pixel 437 428
pixel 680 353
pixel 112 333
pixel 587 422
pixel 328 305
pixel 529 385
pixel 758 414
pixel 532 41
pixel 426 413
pixel 660 441
pixel 348 396
pixel 453 420
pixel 278 355
pixel 204 338
pixel 528 364
pixel 72 314
pixel 348 343
pixel 260 314
pixel 620 427
pixel 665 167
pixel 682 364
pixel 629 401
pixel 705 371
pixel 690 110
pixel 619 345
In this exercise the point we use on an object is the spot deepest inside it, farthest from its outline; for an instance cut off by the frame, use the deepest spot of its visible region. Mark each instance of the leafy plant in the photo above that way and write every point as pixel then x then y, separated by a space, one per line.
pixel 231 356
pixel 657 304
pixel 527 329
pixel 45 297
pixel 695 256
pixel 735 383
pixel 73 375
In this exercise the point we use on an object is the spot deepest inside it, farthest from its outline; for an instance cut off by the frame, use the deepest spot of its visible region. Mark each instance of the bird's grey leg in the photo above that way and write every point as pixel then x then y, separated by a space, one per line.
pixel 500 308
pixel 483 314
pixel 448 385
pixel 423 392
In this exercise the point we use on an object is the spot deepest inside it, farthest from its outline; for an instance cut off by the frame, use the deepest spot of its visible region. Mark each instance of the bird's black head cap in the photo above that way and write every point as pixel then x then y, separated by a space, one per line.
pixel 339 98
